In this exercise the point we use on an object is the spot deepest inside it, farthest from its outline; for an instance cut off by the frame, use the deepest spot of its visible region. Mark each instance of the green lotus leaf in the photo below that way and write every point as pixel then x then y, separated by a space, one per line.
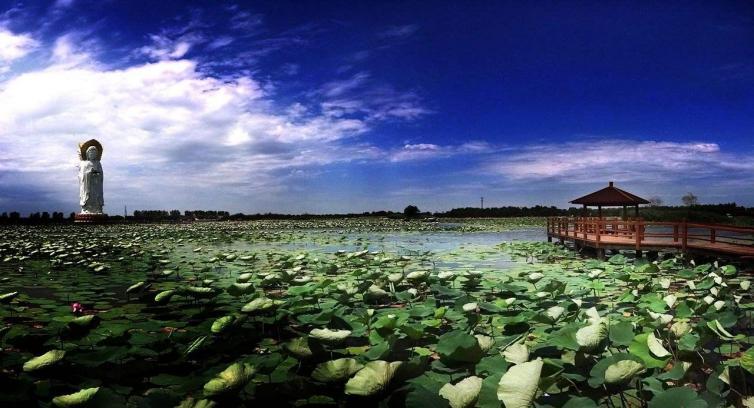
pixel 745 284
pixel 485 342
pixel 728 270
pixel 470 307
pixel 375 293
pixel 581 402
pixel 670 300
pixel 446 276
pixel 222 324
pixel 193 403
pixel 463 394
pixel 591 337
pixel 459 347
pixel 240 289
pixel 76 399
pixel 680 328
pixel 677 397
pixel 516 353
pixel 201 292
pixel 244 277
pixel 395 277
pixel 535 277
pixel 718 329
pixel 417 276
pixel 83 322
pixel 655 346
pixel 299 347
pixel 622 371
pixel 164 296
pixel 518 386
pixel 5 298
pixel 640 348
pixel 747 360
pixel 230 380
pixel 135 287
pixel 598 373
pixel 622 333
pixel 649 268
pixel 258 305
pixel 45 360
pixel 336 370
pixel 553 313
pixel 374 378
pixel 330 336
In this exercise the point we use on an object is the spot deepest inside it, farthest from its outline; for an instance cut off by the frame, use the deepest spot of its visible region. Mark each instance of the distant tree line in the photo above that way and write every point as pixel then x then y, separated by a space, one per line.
pixel 45 217
pixel 510 211
pixel 718 213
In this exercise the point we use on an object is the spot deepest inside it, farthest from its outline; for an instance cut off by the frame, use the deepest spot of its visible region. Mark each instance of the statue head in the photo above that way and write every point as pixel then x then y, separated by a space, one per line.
pixel 92 154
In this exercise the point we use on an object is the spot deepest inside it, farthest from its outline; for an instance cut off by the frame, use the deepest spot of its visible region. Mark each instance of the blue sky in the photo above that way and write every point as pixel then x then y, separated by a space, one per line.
pixel 359 106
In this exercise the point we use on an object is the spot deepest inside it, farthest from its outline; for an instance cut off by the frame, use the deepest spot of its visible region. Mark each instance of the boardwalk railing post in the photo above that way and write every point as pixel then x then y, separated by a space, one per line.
pixel 675 233
pixel 597 232
pixel 712 235
pixel 685 238
pixel 637 228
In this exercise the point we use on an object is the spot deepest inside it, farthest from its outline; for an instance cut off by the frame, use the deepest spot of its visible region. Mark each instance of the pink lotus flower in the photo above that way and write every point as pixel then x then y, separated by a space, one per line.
pixel 77 308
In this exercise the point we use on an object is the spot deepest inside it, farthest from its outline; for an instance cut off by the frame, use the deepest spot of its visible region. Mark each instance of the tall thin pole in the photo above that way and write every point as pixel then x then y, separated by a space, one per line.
pixel 482 198
pixel 125 212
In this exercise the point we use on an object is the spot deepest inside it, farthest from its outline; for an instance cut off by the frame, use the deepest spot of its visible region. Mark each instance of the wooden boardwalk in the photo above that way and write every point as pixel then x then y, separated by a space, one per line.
pixel 640 235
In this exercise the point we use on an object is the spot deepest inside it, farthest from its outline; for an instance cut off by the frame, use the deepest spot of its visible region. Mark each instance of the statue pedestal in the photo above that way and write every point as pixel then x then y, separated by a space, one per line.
pixel 90 218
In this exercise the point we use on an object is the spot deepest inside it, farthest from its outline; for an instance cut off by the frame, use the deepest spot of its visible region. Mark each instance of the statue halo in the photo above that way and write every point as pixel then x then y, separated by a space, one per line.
pixel 89 143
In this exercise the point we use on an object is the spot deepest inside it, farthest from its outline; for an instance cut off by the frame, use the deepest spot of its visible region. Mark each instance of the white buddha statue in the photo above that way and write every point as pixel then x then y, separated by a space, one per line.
pixel 91 197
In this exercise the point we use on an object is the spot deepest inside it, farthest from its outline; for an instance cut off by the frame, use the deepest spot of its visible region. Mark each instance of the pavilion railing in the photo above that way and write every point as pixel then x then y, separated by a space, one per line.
pixel 638 232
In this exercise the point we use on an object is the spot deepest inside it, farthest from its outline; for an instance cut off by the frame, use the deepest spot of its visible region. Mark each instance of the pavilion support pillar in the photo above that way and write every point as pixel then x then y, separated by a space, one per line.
pixel 636 211
pixel 599 211
pixel 624 216
pixel 585 212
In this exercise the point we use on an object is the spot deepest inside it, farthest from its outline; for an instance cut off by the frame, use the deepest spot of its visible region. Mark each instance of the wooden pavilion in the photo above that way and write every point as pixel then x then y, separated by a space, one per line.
pixel 603 234
pixel 611 196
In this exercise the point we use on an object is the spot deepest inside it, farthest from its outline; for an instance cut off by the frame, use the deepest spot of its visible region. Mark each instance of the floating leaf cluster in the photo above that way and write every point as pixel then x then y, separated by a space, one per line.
pixel 361 313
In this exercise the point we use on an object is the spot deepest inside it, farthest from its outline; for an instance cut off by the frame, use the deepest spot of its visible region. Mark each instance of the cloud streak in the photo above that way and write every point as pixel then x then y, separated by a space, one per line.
pixel 626 160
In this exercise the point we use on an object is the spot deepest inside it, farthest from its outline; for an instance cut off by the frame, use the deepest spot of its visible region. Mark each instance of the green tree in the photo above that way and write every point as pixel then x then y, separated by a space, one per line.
pixel 411 211
pixel 690 200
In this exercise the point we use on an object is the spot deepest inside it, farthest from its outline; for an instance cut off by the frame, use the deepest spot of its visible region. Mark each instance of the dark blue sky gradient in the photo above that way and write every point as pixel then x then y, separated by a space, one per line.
pixel 513 75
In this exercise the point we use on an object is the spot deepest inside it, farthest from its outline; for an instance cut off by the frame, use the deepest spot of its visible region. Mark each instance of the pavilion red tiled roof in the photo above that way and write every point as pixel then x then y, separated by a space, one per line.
pixel 610 196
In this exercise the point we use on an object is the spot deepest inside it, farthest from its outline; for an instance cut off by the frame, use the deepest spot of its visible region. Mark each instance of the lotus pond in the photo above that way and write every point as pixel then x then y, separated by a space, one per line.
pixel 362 313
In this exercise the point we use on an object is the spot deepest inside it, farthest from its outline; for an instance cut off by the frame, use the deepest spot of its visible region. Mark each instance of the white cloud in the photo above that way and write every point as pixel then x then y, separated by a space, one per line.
pixel 68 51
pixel 430 151
pixel 171 134
pixel 164 47
pixel 626 160
pixel 400 31
pixel 360 96
pixel 14 46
